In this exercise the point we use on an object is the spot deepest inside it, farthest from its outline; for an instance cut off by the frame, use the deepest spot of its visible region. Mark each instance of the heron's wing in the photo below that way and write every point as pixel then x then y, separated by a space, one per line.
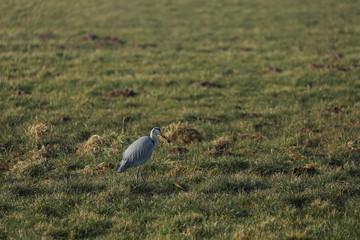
pixel 137 153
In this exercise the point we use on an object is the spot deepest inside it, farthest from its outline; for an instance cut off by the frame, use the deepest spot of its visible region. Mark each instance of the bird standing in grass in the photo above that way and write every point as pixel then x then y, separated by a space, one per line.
pixel 140 151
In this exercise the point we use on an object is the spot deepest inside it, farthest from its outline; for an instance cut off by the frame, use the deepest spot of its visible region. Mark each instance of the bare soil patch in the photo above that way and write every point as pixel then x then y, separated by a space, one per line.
pixel 327 67
pixel 178 150
pixel 246 49
pixel 334 110
pixel 207 84
pixel 109 41
pixel 65 119
pixel 273 69
pixel 250 115
pixel 308 170
pixel 46 36
pixel 219 152
pixel 23 93
pixel 312 143
pixel 105 41
pixel 146 45
pixel 91 37
pixel 58 46
pixel 121 93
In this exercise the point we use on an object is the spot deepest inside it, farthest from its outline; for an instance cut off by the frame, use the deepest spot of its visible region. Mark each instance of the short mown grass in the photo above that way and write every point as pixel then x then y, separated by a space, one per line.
pixel 253 94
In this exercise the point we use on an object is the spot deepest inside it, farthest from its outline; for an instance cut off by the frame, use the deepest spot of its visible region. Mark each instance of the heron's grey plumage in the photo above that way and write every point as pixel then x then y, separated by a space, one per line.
pixel 140 151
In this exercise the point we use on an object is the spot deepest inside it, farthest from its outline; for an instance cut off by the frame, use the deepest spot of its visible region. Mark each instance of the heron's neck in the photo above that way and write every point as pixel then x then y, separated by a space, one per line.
pixel 154 138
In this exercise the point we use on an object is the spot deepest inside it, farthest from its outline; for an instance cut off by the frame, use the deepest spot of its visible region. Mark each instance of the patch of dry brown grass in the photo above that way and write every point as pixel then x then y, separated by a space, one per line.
pixel 182 132
pixel 99 169
pixel 219 152
pixel 179 171
pixel 94 144
pixel 32 168
pixel 223 142
pixel 38 130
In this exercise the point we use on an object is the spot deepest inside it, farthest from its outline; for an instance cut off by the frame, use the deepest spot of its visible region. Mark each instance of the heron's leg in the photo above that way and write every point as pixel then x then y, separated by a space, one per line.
pixel 137 174
pixel 142 176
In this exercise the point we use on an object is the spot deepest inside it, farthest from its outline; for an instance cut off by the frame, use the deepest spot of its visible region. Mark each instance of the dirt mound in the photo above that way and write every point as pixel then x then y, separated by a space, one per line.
pixel 94 144
pixel 121 93
pixel 273 69
pixel 23 93
pixel 90 37
pixel 207 84
pixel 146 45
pixel 250 115
pixel 246 49
pixel 219 152
pixel 46 36
pixel 327 67
pixel 65 119
pixel 178 150
pixel 109 41
pixel 308 170
pixel 182 132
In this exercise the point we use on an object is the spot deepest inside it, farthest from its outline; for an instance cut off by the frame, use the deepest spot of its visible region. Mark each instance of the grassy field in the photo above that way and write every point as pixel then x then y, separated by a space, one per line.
pixel 261 99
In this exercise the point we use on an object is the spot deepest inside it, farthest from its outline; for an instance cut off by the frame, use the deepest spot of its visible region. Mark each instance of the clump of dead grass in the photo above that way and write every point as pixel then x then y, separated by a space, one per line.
pixel 183 133
pixel 219 152
pixel 179 171
pixel 38 130
pixel 32 168
pixel 99 169
pixel 121 92
pixel 94 144
pixel 223 142
pixel 221 145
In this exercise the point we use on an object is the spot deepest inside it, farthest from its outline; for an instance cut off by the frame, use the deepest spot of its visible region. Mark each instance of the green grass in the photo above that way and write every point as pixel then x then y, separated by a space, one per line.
pixel 52 186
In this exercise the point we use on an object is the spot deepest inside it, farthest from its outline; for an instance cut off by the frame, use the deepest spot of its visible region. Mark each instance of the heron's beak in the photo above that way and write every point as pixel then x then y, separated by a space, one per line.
pixel 168 140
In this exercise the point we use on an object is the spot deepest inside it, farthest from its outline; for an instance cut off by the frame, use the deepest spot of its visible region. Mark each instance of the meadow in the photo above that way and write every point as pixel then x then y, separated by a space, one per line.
pixel 261 100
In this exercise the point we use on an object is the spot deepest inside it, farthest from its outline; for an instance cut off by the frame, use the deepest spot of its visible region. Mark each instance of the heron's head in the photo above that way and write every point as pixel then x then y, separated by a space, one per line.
pixel 156 131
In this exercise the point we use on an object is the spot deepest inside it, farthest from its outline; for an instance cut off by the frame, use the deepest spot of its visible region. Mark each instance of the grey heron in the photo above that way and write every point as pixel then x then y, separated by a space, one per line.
pixel 140 151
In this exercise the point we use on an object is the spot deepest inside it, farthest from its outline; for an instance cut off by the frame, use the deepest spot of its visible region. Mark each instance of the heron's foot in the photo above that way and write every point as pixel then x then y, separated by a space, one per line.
pixel 142 177
pixel 139 173
pixel 140 180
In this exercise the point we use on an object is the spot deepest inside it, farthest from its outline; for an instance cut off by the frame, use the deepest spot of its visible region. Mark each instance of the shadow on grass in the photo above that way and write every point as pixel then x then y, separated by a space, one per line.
pixel 164 187
pixel 271 168
pixel 6 207
pixel 226 166
pixel 88 226
pixel 229 185
pixel 58 234
pixel 91 230
pixel 59 208
pixel 76 188
pixel 298 201
pixel 24 190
